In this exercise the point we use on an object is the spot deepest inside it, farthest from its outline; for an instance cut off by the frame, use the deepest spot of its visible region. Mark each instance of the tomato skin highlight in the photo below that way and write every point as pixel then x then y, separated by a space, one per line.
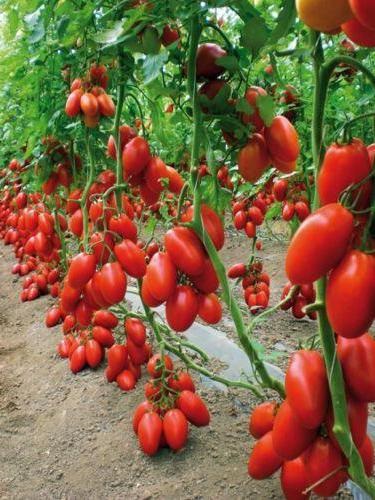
pixel 350 296
pixel 263 460
pixel 319 244
pixel 175 429
pixel 357 358
pixel 306 387
pixel 150 428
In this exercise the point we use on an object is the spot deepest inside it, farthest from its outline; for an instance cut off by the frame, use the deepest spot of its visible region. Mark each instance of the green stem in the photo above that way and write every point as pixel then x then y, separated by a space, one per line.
pixel 341 427
pixel 120 103
pixel 89 181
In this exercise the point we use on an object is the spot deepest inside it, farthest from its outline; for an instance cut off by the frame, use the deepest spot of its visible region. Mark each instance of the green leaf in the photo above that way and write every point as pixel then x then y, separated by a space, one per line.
pixel 285 20
pixel 266 107
pixel 110 36
pixel 228 62
pixel 152 65
pixel 254 35
pixel 273 211
pixel 243 106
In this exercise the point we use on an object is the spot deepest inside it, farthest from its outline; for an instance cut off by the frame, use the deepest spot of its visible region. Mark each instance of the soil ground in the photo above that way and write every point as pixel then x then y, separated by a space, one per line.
pixel 65 436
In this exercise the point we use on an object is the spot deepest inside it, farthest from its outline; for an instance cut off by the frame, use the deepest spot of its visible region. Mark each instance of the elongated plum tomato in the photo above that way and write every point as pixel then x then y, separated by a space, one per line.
pixel 251 95
pixel 306 387
pixel 142 408
pixel 155 172
pixel 263 460
pixel 290 438
pixel 150 429
pixel 319 244
pixel 73 103
pixel 207 282
pixel 357 416
pixel 161 276
pixel 193 408
pixel 175 428
pixel 210 309
pixel 337 172
pixel 182 308
pixel 282 140
pixel 132 258
pixel 89 104
pixel 367 454
pixel 262 419
pixel 350 298
pixel 253 159
pixel 212 224
pixel 207 56
pixel 126 134
pixel 321 15
pixel 358 33
pixel 113 282
pixel 185 250
pixel 135 156
pixel 364 11
pixel 106 105
pixel 136 331
pixel 94 353
pixel 357 358
pixel 321 460
pixel 294 479
pixel 81 269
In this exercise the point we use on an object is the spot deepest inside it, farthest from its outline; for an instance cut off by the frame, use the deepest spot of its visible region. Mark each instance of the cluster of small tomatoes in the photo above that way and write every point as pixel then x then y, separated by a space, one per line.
pixel 162 420
pixel 89 98
pixel 294 202
pixel 297 299
pixel 255 284
pixel 297 435
pixel 356 18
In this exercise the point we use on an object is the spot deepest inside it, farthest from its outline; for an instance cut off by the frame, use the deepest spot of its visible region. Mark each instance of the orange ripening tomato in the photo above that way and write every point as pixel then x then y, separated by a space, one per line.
pixel 282 140
pixel 306 387
pixel 263 460
pixel 253 159
pixel 364 11
pixel 321 15
pixel 319 244
pixel 251 95
pixel 350 298
pixel 337 172
pixel 358 33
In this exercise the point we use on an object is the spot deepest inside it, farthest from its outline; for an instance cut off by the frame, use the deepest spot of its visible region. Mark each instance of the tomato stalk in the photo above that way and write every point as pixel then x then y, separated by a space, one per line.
pixel 246 342
pixel 119 106
pixel 84 197
pixel 341 428
pixel 60 234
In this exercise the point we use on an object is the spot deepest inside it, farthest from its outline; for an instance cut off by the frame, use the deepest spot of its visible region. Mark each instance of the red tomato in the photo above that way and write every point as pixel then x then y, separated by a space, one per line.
pixel 181 308
pixel 113 282
pixel 161 276
pixel 176 182
pixel 213 226
pixel 306 387
pixel 81 269
pixel 364 11
pixel 290 438
pixel 357 415
pixel 175 429
pixel 53 316
pixel 350 297
pixel 319 244
pixel 73 103
pixel 185 250
pixel 147 296
pixel 136 331
pixel 135 156
pixel 101 244
pixel 367 454
pixel 117 358
pixel 138 355
pixel 103 336
pixel 282 140
pixel 181 381
pixel 280 189
pixel 359 33
pixel 106 105
pixel 210 309
pixel 126 134
pixel 193 408
pixel 126 380
pixel 105 318
pixel 142 408
pixel 83 313
pixel 89 105
pixel 76 223
pixel 251 95
pixel 237 271
pixel 321 459
pixel 253 159
pixel 294 479
pixel 123 226
pixel 46 223
pixel 302 210
pixel 207 282
pixel 262 419
pixel 132 258
pixel 156 171
pixel 240 219
pixel 357 358
pixel 263 460
pixel 62 348
pixel 150 429
pixel 337 172
pixel 78 359
pixel 207 65
pixel 94 353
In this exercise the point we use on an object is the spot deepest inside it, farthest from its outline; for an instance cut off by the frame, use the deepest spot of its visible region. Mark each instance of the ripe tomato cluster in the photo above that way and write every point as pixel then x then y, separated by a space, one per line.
pixel 255 283
pixel 294 201
pixel 356 18
pixel 183 276
pixel 89 98
pixel 162 420
pixel 297 435
pixel 299 298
